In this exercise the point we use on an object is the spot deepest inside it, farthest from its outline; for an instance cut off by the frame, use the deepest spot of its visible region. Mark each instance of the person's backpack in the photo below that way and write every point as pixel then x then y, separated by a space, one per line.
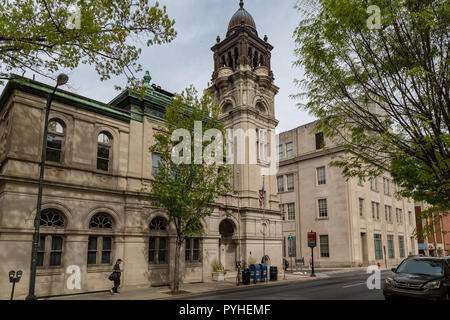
pixel 113 276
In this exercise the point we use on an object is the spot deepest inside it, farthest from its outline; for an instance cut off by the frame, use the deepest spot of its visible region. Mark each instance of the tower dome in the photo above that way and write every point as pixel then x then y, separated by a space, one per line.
pixel 241 16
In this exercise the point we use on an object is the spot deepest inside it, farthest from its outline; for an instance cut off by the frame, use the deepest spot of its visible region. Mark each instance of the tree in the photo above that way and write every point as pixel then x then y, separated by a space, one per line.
pixel 188 180
pixel 47 35
pixel 377 78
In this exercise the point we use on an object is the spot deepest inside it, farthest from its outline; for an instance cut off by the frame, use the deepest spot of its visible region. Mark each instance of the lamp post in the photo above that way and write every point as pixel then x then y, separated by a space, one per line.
pixel 61 80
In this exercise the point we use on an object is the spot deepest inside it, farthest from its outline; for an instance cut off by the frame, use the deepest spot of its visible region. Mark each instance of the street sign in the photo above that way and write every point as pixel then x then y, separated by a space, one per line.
pixel 311 239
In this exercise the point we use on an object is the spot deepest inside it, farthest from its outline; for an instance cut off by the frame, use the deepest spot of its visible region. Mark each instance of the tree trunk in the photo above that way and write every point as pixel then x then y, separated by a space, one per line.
pixel 176 278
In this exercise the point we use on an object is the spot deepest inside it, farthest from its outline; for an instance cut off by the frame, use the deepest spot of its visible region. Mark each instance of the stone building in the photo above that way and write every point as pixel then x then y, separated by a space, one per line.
pixel 357 222
pixel 97 161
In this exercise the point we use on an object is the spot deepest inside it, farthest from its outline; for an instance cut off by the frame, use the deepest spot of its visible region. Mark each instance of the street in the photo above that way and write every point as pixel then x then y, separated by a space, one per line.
pixel 336 286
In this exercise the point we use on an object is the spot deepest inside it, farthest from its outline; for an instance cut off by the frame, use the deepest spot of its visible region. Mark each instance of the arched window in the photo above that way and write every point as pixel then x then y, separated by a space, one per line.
pixel 227 108
pixel 55 141
pixel 104 144
pixel 50 251
pixel 100 246
pixel 158 224
pixel 158 241
pixel 260 107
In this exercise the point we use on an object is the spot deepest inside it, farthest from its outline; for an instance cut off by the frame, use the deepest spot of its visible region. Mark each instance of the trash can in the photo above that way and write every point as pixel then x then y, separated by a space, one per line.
pixel 255 272
pixel 246 276
pixel 273 273
pixel 263 275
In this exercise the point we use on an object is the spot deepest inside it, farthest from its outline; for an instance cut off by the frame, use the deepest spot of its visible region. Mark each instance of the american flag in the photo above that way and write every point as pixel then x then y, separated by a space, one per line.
pixel 261 198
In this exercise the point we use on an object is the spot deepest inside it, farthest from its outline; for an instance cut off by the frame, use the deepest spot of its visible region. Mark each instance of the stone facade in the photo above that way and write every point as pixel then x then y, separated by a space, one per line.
pixel 323 201
pixel 94 212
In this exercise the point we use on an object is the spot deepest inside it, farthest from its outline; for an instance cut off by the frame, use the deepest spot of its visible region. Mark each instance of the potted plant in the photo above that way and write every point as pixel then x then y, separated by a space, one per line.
pixel 218 271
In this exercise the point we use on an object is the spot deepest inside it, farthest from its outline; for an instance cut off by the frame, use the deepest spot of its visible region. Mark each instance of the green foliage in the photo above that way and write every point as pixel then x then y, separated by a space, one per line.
pixel 381 95
pixel 42 37
pixel 187 191
pixel 217 266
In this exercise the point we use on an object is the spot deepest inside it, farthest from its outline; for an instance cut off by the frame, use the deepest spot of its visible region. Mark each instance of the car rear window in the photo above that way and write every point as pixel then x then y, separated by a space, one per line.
pixel 427 267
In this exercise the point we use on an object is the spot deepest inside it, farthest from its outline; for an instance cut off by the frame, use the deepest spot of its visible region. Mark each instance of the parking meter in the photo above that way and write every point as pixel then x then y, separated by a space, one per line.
pixel 19 275
pixel 11 276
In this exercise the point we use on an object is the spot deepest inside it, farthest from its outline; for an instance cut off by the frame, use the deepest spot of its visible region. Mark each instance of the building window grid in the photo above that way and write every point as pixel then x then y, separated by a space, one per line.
pixel 373 184
pixel 361 207
pixel 290 182
pixel 375 210
pixel 324 246
pixel 282 211
pixel 388 213
pixel 323 210
pixel 386 186
pixel 401 246
pixel 291 211
pixel 50 250
pixel 280 183
pixel 390 242
pixel 55 141
pixel 103 152
pixel 280 152
pixel 399 215
pixel 289 150
pixel 321 176
pixel 378 245
pixel 192 250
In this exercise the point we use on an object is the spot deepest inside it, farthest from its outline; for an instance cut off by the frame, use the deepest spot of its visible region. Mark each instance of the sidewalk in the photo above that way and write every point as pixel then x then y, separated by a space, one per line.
pixel 190 289
pixel 162 293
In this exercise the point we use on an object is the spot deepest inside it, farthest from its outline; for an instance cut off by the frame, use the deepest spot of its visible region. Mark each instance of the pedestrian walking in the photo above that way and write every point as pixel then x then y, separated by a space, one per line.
pixel 116 276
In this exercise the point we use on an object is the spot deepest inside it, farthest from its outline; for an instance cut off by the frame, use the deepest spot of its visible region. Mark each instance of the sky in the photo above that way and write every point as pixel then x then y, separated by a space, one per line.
pixel 189 60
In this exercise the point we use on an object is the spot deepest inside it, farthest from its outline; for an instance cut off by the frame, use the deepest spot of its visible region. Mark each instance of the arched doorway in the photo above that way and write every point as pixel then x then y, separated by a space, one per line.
pixel 227 245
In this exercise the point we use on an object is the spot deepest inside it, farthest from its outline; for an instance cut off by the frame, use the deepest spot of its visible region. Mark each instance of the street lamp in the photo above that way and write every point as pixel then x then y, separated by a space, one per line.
pixel 61 80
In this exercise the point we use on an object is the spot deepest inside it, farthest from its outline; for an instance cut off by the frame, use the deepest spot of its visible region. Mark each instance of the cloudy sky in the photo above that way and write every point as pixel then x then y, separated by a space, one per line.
pixel 189 60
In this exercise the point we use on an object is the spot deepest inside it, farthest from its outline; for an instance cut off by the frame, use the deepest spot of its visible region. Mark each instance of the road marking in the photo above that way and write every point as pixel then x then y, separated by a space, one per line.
pixel 354 285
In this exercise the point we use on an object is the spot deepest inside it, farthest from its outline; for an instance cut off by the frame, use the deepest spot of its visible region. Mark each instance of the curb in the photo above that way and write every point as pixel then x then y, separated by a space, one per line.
pixel 241 287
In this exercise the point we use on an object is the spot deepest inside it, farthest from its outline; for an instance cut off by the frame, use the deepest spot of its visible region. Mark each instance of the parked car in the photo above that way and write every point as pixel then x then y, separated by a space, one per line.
pixel 419 277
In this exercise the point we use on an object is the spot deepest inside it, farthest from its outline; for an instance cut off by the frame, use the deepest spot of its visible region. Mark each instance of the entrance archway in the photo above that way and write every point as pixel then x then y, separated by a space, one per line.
pixel 227 245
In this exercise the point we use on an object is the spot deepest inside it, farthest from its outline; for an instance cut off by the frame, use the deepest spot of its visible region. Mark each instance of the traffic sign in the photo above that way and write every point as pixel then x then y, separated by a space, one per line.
pixel 312 239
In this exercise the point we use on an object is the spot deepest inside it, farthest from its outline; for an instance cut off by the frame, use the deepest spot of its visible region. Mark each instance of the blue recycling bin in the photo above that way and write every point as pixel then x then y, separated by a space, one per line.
pixel 255 272
pixel 263 274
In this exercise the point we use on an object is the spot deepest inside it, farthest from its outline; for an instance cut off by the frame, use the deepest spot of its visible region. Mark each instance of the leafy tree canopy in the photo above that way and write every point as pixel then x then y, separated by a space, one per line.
pixel 45 36
pixel 379 85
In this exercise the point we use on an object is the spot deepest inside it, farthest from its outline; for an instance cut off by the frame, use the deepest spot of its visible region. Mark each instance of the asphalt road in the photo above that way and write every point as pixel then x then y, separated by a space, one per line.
pixel 339 286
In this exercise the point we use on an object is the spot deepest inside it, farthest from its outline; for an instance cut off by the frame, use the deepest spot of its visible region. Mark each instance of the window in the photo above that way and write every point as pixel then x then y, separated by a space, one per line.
pixel 280 183
pixel 323 210
pixel 319 141
pixel 192 250
pixel 282 211
pixel 378 247
pixel 386 186
pixel 100 246
pixel 157 253
pixel 375 210
pixel 401 246
pixel 390 241
pixel 50 250
pixel 360 182
pixel 290 182
pixel 289 150
pixel 361 207
pixel 399 215
pixel 103 151
pixel 158 241
pixel 55 140
pixel 229 146
pixel 291 211
pixel 284 246
pixel 321 179
pixel 324 248
pixel 373 184
pixel 409 218
pixel 388 213
pixel 280 152
pixel 262 144
pixel 156 160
